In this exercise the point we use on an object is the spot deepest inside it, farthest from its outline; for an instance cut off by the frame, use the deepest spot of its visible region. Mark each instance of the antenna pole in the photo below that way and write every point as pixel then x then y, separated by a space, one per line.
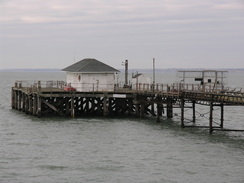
pixel 126 72
pixel 153 71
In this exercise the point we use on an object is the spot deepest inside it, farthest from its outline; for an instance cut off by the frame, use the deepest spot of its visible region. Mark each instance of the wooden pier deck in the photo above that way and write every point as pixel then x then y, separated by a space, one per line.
pixel 50 98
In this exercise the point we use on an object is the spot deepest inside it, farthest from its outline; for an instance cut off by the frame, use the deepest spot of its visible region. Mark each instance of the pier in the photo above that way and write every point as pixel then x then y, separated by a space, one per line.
pixel 45 98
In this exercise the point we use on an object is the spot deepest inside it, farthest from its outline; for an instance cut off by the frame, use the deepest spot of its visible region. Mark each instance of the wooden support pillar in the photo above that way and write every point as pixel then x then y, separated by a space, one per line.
pixel 30 104
pixel 99 105
pixel 72 107
pixel 211 118
pixel 159 108
pixel 193 111
pixel 23 102
pixel 142 109
pixel 39 106
pixel 169 108
pixel 182 104
pixel 130 106
pixel 105 106
pixel 92 105
pixel 137 108
pixel 153 109
pixel 67 106
pixel 87 105
pixel 16 99
pixel 34 105
pixel 19 100
pixel 222 115
pixel 13 98
pixel 26 104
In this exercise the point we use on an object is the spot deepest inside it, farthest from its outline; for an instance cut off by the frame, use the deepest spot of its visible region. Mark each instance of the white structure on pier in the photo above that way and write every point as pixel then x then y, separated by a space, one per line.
pixel 212 79
pixel 91 75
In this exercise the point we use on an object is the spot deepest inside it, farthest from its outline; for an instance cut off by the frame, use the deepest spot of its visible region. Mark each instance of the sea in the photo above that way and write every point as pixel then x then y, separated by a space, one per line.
pixel 118 149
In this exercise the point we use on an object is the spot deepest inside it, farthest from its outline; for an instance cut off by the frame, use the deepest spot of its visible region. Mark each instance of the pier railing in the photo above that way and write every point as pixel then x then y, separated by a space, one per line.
pixel 34 86
pixel 178 87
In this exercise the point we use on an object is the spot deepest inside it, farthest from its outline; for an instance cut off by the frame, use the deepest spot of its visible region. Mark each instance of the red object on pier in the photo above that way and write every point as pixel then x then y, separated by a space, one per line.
pixel 69 88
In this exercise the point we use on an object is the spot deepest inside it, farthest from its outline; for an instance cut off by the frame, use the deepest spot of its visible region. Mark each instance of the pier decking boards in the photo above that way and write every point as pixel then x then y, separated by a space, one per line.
pixel 153 100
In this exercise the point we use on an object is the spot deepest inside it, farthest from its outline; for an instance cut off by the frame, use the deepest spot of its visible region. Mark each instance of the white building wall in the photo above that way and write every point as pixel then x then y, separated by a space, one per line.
pixel 91 81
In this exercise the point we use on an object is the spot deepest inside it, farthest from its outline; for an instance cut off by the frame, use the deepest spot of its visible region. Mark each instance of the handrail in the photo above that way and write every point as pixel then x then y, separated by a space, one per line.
pixel 138 87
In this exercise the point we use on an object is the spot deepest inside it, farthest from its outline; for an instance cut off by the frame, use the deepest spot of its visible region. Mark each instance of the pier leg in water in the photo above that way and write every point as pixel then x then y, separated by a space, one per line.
pixel 222 116
pixel 137 108
pixel 12 99
pixel 211 119
pixel 34 105
pixel 19 102
pixel 105 106
pixel 39 107
pixel 72 108
pixel 182 103
pixel 159 108
pixel 193 111
pixel 27 104
pixel 169 108
pixel 30 104
pixel 142 110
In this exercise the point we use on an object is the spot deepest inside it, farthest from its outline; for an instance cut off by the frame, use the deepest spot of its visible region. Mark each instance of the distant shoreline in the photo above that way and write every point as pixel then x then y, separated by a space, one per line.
pixel 130 70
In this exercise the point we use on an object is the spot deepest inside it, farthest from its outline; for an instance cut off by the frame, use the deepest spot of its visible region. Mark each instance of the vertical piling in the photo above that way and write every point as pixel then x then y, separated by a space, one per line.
pixel 30 100
pixel 169 108
pixel 72 108
pixel 159 108
pixel 137 108
pixel 105 105
pixel 39 106
pixel 13 98
pixel 67 109
pixel 142 109
pixel 34 105
pixel 26 104
pixel 182 104
pixel 222 115
pixel 211 119
pixel 23 102
pixel 193 111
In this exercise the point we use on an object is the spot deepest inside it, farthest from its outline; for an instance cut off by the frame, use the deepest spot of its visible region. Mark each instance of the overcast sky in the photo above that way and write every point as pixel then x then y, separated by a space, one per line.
pixel 177 33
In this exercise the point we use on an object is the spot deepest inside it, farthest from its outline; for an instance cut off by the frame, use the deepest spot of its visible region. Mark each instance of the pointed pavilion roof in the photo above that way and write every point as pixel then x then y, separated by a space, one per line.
pixel 90 65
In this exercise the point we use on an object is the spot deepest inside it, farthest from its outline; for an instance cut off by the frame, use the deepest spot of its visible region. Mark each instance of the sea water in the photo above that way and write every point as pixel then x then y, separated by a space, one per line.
pixel 99 149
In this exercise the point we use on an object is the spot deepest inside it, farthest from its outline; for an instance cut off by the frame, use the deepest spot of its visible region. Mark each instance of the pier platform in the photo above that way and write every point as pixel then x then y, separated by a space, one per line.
pixel 52 98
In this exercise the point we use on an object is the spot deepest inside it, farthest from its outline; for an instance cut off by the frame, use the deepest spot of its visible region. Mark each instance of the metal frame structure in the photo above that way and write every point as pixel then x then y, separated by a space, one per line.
pixel 213 79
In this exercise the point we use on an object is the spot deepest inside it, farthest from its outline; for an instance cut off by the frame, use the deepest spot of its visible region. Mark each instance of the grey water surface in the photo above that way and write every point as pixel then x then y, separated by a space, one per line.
pixel 122 149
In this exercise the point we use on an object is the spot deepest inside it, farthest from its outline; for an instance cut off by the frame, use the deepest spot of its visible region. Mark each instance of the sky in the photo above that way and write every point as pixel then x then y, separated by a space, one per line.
pixel 178 34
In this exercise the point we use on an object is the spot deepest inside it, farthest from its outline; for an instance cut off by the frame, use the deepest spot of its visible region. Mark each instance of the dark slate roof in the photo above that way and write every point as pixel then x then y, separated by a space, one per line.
pixel 90 65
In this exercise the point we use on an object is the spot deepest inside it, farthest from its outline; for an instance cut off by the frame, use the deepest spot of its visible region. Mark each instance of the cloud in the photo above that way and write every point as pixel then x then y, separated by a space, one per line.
pixel 136 29
pixel 104 12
